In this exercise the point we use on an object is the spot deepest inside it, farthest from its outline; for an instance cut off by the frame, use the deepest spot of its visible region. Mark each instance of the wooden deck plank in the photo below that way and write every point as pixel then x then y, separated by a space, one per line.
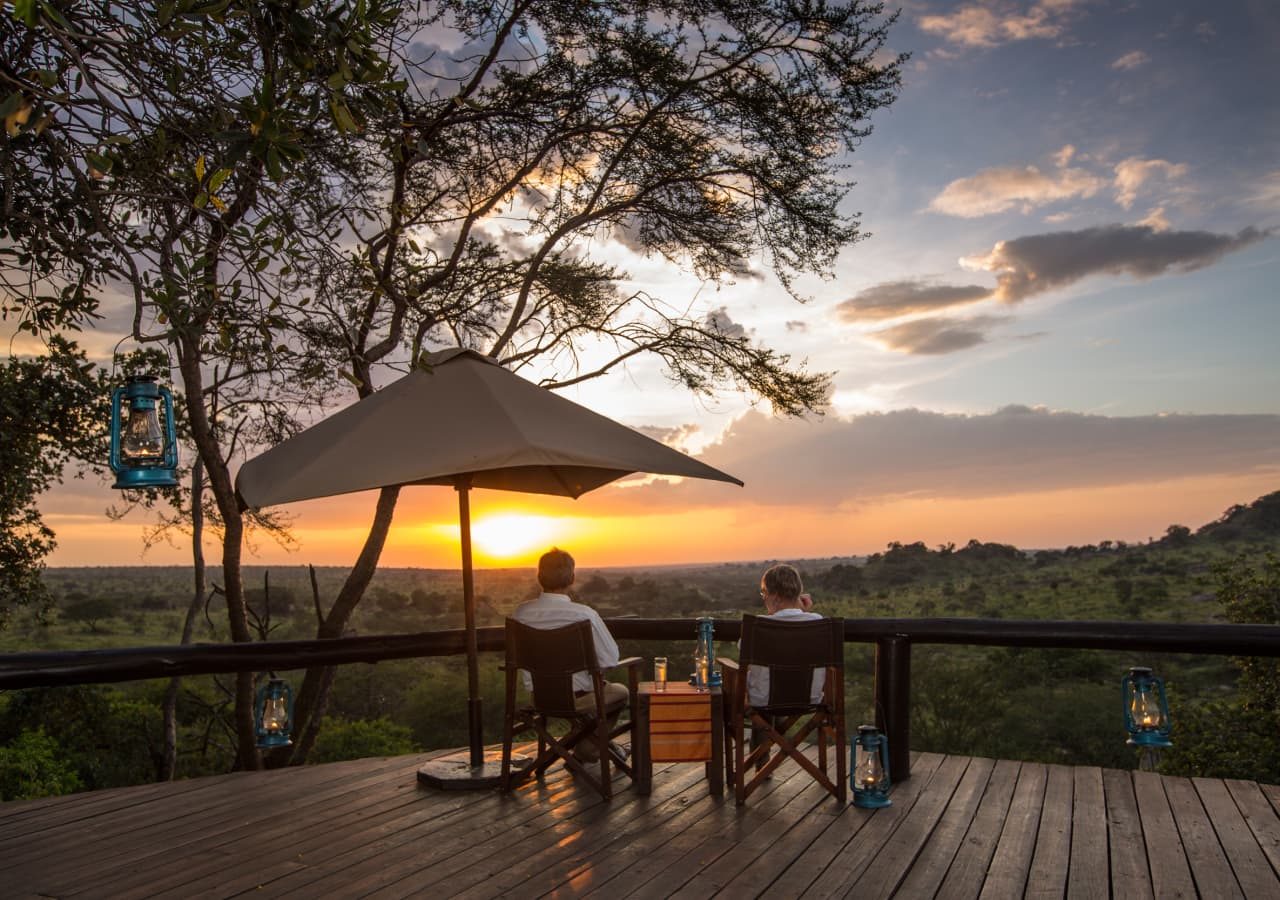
pixel 710 865
pixel 1209 865
pixel 1089 876
pixel 638 850
pixel 1051 859
pixel 1260 817
pixel 844 827
pixel 629 872
pixel 1188 836
pixel 968 871
pixel 145 832
pixel 448 844
pixel 189 840
pixel 1248 862
pixel 1007 874
pixel 849 864
pixel 540 863
pixel 959 828
pixel 1130 873
pixel 927 865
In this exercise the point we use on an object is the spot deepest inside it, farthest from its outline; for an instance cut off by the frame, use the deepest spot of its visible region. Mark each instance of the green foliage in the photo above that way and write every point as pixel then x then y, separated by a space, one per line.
pixel 89 611
pixel 356 739
pixel 31 766
pixel 1239 737
pixel 105 737
pixel 52 410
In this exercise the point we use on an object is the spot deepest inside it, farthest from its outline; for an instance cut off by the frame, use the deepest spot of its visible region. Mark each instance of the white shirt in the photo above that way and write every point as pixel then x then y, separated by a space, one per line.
pixel 557 610
pixel 758 676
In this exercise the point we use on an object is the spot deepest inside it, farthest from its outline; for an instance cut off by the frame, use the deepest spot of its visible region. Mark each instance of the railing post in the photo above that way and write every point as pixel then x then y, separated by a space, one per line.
pixel 893 701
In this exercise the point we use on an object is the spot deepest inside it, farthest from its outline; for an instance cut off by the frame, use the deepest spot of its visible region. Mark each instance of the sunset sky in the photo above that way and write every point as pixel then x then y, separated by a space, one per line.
pixel 1062 330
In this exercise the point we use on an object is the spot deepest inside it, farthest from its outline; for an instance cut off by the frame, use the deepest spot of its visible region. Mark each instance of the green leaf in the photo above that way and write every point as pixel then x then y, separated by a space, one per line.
pixel 25 10
pixel 342 116
pixel 11 103
pixel 218 177
pixel 274 168
pixel 337 81
pixel 99 162
pixel 201 200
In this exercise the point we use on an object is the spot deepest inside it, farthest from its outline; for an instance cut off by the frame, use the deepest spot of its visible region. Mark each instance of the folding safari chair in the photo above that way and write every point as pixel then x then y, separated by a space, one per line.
pixel 551 656
pixel 791 651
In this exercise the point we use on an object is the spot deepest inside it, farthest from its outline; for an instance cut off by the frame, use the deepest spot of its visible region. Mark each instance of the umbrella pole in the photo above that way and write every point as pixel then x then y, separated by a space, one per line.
pixel 475 725
pixel 468 770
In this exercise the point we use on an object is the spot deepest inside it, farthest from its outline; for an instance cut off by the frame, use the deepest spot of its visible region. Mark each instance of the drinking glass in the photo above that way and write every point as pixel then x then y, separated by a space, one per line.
pixel 659 673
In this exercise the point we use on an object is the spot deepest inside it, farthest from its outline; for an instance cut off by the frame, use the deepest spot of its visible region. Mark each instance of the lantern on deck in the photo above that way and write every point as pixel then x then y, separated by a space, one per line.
pixel 144 451
pixel 273 714
pixel 1146 710
pixel 869 772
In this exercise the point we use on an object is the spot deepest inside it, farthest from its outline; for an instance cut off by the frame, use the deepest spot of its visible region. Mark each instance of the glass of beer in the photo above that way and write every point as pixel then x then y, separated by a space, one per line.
pixel 659 673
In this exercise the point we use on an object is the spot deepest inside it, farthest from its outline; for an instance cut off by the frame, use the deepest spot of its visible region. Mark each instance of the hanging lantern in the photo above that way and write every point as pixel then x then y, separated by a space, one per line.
pixel 273 714
pixel 144 451
pixel 869 772
pixel 1146 710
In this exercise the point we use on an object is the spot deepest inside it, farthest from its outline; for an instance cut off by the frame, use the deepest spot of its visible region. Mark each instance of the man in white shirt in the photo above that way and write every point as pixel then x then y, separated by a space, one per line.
pixel 553 609
pixel 781 590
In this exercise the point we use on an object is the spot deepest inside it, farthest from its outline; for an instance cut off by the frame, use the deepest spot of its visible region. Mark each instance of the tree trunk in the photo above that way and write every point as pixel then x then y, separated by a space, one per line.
pixel 219 478
pixel 188 626
pixel 314 694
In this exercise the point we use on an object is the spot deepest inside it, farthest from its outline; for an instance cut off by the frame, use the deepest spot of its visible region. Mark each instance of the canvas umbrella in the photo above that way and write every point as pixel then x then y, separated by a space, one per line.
pixel 465 421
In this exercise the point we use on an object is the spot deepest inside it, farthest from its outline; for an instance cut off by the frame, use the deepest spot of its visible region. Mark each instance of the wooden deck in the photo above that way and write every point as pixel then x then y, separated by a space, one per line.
pixel 960 827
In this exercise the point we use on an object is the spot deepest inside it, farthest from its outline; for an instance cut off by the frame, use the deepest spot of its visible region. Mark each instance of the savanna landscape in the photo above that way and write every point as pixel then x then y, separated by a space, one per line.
pixel 1010 703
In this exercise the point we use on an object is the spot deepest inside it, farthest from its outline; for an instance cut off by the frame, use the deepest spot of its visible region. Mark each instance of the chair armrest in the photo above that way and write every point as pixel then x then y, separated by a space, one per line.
pixel 629 661
pixel 726 663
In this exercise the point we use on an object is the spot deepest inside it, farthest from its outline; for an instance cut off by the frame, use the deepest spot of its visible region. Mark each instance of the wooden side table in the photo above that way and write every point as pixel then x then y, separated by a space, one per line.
pixel 679 724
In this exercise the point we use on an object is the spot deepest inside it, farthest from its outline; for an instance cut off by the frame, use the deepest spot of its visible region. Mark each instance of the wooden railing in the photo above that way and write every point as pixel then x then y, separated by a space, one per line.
pixel 893 639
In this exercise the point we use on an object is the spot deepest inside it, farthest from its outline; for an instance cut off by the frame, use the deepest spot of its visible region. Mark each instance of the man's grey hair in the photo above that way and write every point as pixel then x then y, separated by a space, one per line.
pixel 555 570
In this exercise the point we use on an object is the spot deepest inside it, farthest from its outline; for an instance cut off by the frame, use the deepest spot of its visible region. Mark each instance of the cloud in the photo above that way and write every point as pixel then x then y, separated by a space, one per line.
pixel 1037 263
pixel 932 337
pixel 899 298
pixel 914 453
pixel 994 23
pixel 677 436
pixel 1133 173
pixel 998 189
pixel 719 320
pixel 1063 156
pixel 796 325
pixel 1266 192
pixel 1131 60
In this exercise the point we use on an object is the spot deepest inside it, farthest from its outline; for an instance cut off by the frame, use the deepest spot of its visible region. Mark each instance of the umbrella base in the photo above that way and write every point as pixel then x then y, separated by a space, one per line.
pixel 455 772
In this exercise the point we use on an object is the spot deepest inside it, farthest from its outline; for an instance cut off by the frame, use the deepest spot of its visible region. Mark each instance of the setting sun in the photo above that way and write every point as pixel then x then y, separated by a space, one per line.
pixel 509 536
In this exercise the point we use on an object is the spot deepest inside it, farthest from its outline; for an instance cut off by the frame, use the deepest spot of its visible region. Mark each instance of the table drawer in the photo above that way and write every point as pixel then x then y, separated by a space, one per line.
pixel 682 709
pixel 673 745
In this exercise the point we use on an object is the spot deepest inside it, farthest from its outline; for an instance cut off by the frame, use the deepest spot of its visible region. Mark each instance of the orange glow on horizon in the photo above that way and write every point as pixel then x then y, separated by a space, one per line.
pixel 512 536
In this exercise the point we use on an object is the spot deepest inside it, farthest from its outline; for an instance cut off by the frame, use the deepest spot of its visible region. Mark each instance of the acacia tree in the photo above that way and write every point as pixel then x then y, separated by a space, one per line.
pixel 292 192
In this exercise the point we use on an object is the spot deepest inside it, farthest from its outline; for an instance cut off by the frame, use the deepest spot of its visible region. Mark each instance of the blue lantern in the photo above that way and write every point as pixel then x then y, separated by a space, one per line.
pixel 143 454
pixel 273 714
pixel 705 674
pixel 1146 710
pixel 869 770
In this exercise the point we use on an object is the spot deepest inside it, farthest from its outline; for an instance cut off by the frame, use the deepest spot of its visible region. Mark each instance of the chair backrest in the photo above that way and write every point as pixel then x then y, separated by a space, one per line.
pixel 551 656
pixel 791 651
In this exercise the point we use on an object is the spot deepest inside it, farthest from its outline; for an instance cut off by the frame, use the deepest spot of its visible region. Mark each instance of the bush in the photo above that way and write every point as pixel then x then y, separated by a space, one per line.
pixel 341 739
pixel 30 767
